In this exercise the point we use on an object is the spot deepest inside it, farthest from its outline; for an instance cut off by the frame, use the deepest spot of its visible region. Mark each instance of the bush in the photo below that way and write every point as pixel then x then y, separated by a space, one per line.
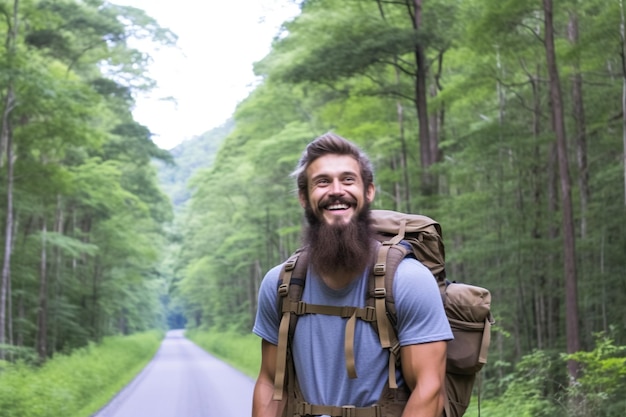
pixel 600 388
pixel 240 351
pixel 76 384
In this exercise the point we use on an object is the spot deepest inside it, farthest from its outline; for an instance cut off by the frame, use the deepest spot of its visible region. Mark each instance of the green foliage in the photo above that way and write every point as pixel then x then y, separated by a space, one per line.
pixel 600 388
pixel 189 157
pixel 530 390
pixel 76 384
pixel 348 66
pixel 330 46
pixel 240 351
pixel 88 214
pixel 87 203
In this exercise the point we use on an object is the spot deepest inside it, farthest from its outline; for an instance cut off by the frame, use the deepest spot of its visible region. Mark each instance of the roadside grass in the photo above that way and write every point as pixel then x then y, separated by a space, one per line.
pixel 79 384
pixel 242 352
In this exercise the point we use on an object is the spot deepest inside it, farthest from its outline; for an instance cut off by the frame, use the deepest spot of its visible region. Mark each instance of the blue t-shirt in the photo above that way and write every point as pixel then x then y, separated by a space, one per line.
pixel 318 344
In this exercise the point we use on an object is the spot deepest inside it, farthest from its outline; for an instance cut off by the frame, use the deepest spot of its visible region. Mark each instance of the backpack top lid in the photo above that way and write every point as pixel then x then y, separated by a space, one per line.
pixel 421 233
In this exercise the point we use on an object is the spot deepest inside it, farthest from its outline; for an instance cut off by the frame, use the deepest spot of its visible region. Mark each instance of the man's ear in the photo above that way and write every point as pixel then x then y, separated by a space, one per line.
pixel 370 193
pixel 302 197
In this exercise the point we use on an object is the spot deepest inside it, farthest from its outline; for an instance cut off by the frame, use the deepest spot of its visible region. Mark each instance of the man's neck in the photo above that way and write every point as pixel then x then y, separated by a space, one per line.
pixel 339 279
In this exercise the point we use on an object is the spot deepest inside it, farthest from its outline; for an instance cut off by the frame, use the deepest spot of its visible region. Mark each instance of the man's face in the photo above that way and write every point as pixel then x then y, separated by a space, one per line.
pixel 336 190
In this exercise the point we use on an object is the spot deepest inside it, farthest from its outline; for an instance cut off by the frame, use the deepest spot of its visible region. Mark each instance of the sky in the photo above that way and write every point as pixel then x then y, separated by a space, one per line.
pixel 210 71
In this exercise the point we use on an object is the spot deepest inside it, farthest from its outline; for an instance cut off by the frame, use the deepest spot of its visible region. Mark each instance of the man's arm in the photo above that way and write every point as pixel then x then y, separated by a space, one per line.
pixel 424 369
pixel 262 403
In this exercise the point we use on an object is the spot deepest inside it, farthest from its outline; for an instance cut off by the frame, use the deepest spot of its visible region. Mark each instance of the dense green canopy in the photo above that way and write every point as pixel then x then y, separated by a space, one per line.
pixel 454 103
pixel 84 214
pixel 503 120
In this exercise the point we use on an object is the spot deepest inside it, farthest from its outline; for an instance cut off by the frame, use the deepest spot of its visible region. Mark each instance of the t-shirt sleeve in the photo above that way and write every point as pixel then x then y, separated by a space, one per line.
pixel 267 318
pixel 421 316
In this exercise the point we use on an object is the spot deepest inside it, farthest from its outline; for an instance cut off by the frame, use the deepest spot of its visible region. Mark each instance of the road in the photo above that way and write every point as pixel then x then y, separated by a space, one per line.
pixel 183 380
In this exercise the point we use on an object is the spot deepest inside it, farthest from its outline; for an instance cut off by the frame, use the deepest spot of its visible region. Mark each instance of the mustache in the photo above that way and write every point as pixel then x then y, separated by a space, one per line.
pixel 336 200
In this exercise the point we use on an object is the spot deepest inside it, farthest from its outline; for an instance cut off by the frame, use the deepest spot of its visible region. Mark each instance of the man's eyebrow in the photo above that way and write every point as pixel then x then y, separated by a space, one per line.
pixel 341 174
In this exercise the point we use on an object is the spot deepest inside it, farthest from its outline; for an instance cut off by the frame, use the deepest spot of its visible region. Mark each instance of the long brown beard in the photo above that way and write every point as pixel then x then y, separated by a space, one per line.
pixel 345 248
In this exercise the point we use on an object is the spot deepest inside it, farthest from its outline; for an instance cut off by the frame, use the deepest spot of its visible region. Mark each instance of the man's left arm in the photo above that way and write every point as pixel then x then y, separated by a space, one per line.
pixel 424 368
pixel 423 332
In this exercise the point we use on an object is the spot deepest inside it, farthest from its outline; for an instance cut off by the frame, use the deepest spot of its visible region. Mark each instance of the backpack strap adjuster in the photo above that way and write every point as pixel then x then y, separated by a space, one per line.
pixel 348 411
pixel 304 409
pixel 300 308
pixel 380 292
pixel 395 349
pixel 380 268
pixel 291 263
pixel 370 314
pixel 283 290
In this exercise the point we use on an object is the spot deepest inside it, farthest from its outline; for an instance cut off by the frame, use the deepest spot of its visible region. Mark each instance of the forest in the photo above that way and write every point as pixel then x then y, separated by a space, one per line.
pixel 503 120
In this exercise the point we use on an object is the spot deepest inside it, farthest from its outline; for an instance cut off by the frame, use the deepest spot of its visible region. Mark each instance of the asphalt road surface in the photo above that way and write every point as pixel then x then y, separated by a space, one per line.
pixel 183 380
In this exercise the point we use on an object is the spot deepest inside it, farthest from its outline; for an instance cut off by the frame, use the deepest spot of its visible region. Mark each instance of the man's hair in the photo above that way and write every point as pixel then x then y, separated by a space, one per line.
pixel 331 144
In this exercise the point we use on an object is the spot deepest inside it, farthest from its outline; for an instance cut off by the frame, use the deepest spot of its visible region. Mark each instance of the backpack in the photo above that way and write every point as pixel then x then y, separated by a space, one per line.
pixel 467 307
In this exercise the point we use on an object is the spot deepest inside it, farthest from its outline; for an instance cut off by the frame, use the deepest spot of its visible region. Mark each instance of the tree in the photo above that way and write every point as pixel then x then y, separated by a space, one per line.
pixel 6 148
pixel 569 237
pixel 74 96
pixel 332 42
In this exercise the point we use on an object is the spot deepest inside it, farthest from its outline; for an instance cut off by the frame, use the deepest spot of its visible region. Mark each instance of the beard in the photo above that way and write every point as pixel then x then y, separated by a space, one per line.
pixel 345 248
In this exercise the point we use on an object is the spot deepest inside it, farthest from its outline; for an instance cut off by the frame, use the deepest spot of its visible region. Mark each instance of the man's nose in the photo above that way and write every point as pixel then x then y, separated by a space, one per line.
pixel 336 188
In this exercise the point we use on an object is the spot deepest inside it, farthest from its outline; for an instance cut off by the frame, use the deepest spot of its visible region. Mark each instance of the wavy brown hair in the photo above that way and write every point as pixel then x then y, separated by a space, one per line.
pixel 331 143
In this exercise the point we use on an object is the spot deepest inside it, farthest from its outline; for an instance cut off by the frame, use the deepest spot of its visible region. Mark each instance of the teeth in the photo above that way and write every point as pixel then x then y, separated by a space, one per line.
pixel 338 207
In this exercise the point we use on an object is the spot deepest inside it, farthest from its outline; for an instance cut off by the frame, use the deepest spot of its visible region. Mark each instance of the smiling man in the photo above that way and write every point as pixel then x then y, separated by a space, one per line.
pixel 335 182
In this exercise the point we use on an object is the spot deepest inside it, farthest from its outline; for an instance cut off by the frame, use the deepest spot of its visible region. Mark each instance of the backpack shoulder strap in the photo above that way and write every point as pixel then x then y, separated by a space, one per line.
pixel 390 254
pixel 290 286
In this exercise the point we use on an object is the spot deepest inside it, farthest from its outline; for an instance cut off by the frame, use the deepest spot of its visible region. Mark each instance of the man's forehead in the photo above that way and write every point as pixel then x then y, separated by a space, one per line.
pixel 335 164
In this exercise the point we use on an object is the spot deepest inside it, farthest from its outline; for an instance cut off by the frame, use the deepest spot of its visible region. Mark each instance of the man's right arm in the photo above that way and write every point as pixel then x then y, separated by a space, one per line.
pixel 262 403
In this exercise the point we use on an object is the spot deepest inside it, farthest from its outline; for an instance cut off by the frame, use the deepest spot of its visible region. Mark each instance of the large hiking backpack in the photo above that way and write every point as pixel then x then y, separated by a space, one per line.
pixel 467 308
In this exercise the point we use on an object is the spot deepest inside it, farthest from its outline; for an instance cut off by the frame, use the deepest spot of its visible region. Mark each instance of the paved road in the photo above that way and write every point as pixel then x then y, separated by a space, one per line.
pixel 183 381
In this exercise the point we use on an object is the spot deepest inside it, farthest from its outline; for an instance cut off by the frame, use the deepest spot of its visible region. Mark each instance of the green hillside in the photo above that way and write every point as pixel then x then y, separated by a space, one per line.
pixel 190 156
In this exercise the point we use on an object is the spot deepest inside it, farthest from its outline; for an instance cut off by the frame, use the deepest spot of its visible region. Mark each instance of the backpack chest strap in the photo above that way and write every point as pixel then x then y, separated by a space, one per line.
pixel 300 308
pixel 367 314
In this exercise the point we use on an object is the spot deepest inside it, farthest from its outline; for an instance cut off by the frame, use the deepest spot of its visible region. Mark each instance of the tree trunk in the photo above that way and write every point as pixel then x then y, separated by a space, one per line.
pixel 421 105
pixel 403 158
pixel 539 276
pixel 581 129
pixel 569 252
pixel 42 310
pixel 623 41
pixel 6 144
pixel 8 239
pixel 401 134
pixel 95 301
pixel 57 275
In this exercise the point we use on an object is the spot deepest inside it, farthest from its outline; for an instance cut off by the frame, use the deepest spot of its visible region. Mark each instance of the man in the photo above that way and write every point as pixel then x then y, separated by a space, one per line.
pixel 335 187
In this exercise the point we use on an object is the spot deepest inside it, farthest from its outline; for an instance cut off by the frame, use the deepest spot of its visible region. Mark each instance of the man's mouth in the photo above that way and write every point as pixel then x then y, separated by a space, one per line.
pixel 338 206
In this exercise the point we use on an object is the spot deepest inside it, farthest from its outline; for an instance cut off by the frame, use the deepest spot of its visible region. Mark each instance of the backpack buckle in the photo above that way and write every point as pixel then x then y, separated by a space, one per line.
pixel 380 269
pixel 380 292
pixel 300 308
pixel 395 350
pixel 283 290
pixel 290 264
pixel 370 314
pixel 304 409
pixel 348 411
